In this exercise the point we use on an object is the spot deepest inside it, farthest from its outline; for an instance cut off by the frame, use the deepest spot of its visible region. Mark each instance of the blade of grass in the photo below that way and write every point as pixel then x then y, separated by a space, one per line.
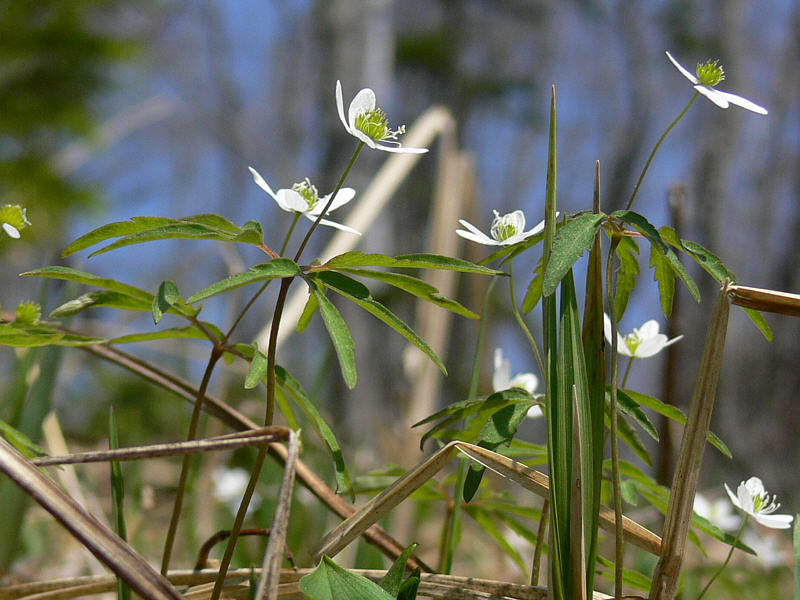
pixel 117 498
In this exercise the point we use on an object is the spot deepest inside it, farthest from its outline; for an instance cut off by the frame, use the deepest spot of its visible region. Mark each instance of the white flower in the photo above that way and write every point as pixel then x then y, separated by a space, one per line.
pixel 753 499
pixel 229 487
pixel 370 124
pixel 710 74
pixel 303 198
pixel 506 230
pixel 13 219
pixel 643 342
pixel 502 380
pixel 719 512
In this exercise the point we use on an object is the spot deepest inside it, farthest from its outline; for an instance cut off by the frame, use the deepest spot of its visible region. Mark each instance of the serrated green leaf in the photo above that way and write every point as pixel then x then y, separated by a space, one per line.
pixel 709 261
pixel 627 249
pixel 308 312
pixel 642 225
pixel 668 234
pixel 664 276
pixel 295 391
pixel 112 230
pixel 275 269
pixel 213 220
pixel 167 295
pixel 173 231
pixel 252 233
pixel 188 332
pixel 393 579
pixel 338 332
pixel 355 291
pixel 413 286
pixel 571 242
pixel 628 406
pixel 356 258
pixel 258 369
pixel 99 298
pixel 759 321
pixel 68 274
pixel 534 293
pixel 329 581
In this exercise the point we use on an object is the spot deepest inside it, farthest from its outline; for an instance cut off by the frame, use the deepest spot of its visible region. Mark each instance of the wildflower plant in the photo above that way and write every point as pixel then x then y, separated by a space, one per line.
pixel 582 402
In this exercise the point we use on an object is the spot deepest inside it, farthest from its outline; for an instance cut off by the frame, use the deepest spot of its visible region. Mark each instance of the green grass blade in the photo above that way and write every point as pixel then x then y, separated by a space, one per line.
pixel 117 498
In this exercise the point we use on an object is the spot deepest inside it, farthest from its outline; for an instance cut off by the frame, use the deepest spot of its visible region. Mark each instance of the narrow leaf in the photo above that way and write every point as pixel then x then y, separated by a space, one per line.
pixel 167 295
pixel 112 230
pixel 68 274
pixel 117 498
pixel 21 441
pixel 356 258
pixel 627 249
pixel 99 298
pixel 277 268
pixel 759 321
pixel 665 276
pixel 709 261
pixel 572 240
pixel 393 579
pixel 188 332
pixel 534 293
pixel 257 371
pixel 339 334
pixel 308 312
pixel 642 225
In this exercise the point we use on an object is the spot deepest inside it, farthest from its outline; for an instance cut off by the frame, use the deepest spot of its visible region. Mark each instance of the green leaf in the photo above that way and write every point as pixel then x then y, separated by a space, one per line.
pixel 277 268
pixel 630 578
pixel 258 369
pixel 631 408
pixel 296 392
pixel 101 298
pixel 24 338
pixel 759 321
pixel 117 498
pixel 572 240
pixel 21 441
pixel 534 293
pixel 359 294
pixel 113 285
pixel 356 258
pixel 329 581
pixel 643 226
pixel 308 312
pixel 627 249
pixel 408 590
pixel 188 332
pixel 709 261
pixel 628 435
pixel 665 277
pixel 393 579
pixel 112 230
pixel 413 286
pixel 167 295
pixel 338 332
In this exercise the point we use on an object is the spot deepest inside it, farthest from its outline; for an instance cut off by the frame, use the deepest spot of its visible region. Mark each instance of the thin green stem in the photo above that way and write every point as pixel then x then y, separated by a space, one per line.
pixel 655 149
pixel 270 408
pixel 619 555
pixel 520 320
pixel 290 232
pixel 627 372
pixel 727 559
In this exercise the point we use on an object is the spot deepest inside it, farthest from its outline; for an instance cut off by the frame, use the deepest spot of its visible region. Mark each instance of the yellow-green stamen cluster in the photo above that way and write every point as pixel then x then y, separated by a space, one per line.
pixel 763 504
pixel 503 227
pixel 308 192
pixel 710 73
pixel 633 340
pixel 375 124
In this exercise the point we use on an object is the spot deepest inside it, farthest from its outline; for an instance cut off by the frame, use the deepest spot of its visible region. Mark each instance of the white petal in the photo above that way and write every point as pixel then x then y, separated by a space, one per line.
pixel 343 197
pixel 525 381
pixel 333 224
pixel 534 412
pixel 607 327
pixel 400 149
pixel 649 329
pixel 734 498
pixel 480 238
pixel 745 497
pixel 363 102
pixel 501 378
pixel 11 230
pixel 683 71
pixel 291 201
pixel 539 227
pixel 340 105
pixel 743 102
pixel 651 346
pixel 517 219
pixel 261 182
pixel 774 521
pixel 713 95
pixel 673 340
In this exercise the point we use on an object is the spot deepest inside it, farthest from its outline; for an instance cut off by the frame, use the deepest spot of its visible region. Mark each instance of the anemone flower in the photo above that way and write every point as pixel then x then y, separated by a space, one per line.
pixel 13 219
pixel 753 499
pixel 709 74
pixel 304 199
pixel 642 342
pixel 506 230
pixel 502 380
pixel 369 124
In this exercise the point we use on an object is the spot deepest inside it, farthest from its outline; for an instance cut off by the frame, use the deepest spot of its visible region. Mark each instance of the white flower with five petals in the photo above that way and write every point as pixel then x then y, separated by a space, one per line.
pixel 642 342
pixel 753 499
pixel 369 124
pixel 502 380
pixel 304 199
pixel 709 74
pixel 506 230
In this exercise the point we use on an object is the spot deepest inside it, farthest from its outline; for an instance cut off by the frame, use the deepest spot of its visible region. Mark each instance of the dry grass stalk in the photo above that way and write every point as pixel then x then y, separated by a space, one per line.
pixel 777 302
pixel 687 471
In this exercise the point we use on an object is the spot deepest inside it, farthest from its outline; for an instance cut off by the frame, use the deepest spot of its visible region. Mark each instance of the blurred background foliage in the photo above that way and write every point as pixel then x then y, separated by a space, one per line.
pixel 114 108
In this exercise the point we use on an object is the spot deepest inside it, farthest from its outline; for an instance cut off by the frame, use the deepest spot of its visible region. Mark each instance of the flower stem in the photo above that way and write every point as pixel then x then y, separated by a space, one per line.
pixel 655 149
pixel 520 320
pixel 727 559
pixel 615 474
pixel 627 372
pixel 270 408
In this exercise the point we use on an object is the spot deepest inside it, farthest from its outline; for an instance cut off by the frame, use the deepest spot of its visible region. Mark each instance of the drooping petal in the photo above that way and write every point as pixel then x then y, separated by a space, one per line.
pixel 774 521
pixel 743 102
pixel 12 231
pixel 340 106
pixel 399 149
pixel 363 102
pixel 261 182
pixel 683 71
pixel 474 234
pixel 712 95
pixel 538 229
pixel 333 224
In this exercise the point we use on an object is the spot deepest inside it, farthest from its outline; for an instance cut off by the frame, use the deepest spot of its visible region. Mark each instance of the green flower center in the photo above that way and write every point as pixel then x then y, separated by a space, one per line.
pixel 633 341
pixel 710 73
pixel 503 227
pixel 376 125
pixel 308 192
